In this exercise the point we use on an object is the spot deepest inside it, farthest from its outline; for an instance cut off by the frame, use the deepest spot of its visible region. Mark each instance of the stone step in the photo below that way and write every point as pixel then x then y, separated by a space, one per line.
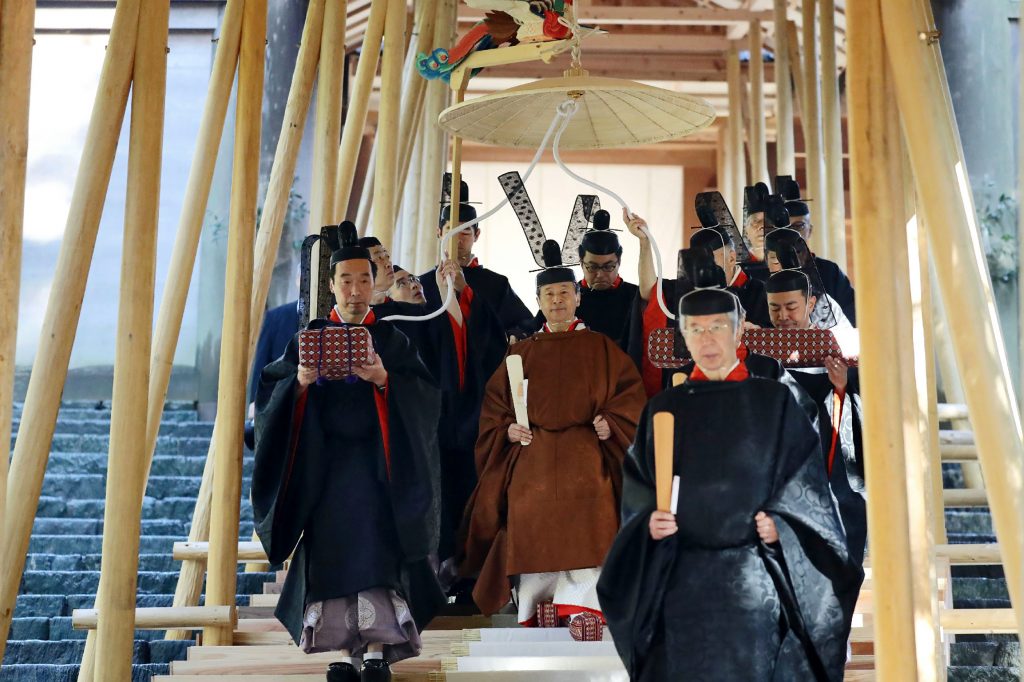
pixel 67 425
pixel 152 508
pixel 87 411
pixel 163 465
pixel 969 521
pixel 59 526
pixel 94 486
pixel 91 562
pixel 46 606
pixel 67 652
pixel 982 674
pixel 978 588
pixel 93 543
pixel 150 582
pixel 165 445
pixel 69 673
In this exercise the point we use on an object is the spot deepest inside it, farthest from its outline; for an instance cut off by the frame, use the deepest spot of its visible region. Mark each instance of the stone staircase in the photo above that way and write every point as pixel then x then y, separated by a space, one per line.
pixel 62 568
pixel 978 658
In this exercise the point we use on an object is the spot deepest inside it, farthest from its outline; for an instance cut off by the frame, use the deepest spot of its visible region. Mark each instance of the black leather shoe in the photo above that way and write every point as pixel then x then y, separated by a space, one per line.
pixel 376 670
pixel 342 672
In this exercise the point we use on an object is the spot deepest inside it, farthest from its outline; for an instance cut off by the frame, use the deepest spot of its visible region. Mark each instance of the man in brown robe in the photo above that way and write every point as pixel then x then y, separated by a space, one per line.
pixel 544 513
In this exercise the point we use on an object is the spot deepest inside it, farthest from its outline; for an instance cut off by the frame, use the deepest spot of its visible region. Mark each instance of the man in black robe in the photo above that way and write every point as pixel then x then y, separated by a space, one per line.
pixel 407 287
pixel 605 298
pixel 462 349
pixel 750 578
pixel 835 390
pixel 346 477
pixel 750 291
pixel 762 212
pixel 837 284
pixel 495 290
pixel 385 277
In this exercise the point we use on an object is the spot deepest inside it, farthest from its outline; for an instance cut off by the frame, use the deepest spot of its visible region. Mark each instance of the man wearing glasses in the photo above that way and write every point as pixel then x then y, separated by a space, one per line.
pixel 407 288
pixel 605 298
pixel 837 284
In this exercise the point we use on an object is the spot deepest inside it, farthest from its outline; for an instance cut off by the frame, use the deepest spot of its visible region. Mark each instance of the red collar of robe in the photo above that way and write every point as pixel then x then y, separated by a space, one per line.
pixel 738 373
pixel 739 279
pixel 475 263
pixel 369 320
pixel 576 323
pixel 615 285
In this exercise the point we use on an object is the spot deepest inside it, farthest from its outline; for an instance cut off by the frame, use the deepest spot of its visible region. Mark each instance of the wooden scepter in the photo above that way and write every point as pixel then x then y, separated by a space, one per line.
pixel 664 437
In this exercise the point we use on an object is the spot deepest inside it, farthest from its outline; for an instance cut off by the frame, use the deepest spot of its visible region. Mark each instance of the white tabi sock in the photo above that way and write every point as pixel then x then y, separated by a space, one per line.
pixel 370 655
pixel 343 659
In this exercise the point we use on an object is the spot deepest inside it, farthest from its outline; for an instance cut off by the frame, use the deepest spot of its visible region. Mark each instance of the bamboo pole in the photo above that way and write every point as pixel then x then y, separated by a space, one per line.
pixel 385 184
pixel 363 213
pixel 834 220
pixel 785 150
pixel 327 130
pixel 49 370
pixel 758 139
pixel 221 576
pixel 811 121
pixel 875 174
pixel 190 224
pixel 917 407
pixel 358 103
pixel 948 209
pixel 126 470
pixel 282 172
pixel 17 20
pixel 179 276
pixel 414 97
pixel 734 132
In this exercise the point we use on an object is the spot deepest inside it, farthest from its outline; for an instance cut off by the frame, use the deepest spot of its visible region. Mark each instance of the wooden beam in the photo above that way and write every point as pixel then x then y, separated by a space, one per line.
pixel 811 124
pixel 161 618
pixel 200 551
pixel 60 322
pixel 947 205
pixel 877 184
pixel 652 16
pixel 126 471
pixel 834 221
pixel 327 128
pixel 231 395
pixel 16 29
pixel 734 135
pixel 355 115
pixel 758 141
pixel 784 144
pixel 385 187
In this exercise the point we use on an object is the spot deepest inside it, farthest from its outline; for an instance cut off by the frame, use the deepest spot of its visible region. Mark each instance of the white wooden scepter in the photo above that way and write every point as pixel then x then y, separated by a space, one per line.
pixel 514 364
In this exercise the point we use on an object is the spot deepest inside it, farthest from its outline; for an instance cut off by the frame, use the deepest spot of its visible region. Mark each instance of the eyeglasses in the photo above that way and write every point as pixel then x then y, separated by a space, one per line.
pixel 714 329
pixel 407 282
pixel 607 267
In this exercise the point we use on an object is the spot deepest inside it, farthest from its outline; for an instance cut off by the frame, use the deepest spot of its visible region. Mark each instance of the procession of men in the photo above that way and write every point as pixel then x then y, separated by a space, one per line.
pixel 468 452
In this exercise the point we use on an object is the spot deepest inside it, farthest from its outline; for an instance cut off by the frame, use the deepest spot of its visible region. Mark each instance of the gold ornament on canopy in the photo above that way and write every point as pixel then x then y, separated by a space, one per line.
pixel 609 112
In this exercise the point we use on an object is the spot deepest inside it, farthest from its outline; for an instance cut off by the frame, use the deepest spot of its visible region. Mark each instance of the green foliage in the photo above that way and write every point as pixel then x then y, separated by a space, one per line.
pixel 997 221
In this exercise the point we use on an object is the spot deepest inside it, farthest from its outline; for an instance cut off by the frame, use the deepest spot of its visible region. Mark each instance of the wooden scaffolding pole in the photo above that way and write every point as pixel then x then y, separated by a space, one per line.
pixel 385 184
pixel 811 122
pixel 327 130
pixel 785 150
pixel 179 276
pixel 947 206
pixel 834 220
pixel 734 134
pixel 1020 242
pixel 877 184
pixel 282 172
pixel 17 21
pixel 917 408
pixel 221 575
pixel 413 99
pixel 358 103
pixel 126 468
pixel 49 370
pixel 758 138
